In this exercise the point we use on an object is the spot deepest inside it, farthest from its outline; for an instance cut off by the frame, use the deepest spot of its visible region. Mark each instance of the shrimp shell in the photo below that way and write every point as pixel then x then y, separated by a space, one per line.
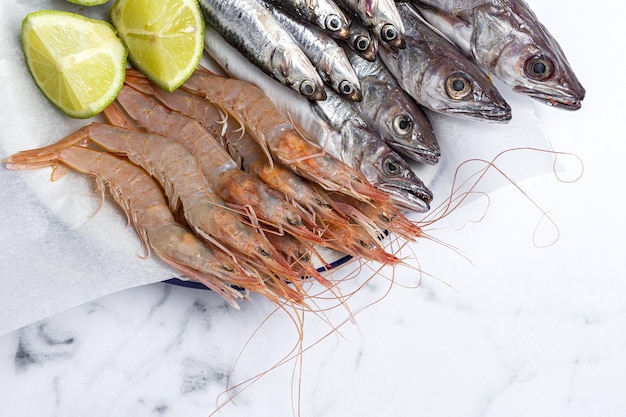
pixel 144 203
pixel 254 110
pixel 177 171
pixel 243 148
pixel 229 182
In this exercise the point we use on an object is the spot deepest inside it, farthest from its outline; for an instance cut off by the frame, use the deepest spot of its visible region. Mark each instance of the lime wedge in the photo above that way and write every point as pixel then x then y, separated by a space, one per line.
pixel 78 63
pixel 165 38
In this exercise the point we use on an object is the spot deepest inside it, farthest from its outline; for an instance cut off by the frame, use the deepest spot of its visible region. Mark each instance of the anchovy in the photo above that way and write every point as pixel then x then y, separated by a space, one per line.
pixel 381 16
pixel 324 52
pixel 249 27
pixel 414 197
pixel 361 148
pixel 360 40
pixel 506 38
pixel 439 76
pixel 393 113
pixel 324 14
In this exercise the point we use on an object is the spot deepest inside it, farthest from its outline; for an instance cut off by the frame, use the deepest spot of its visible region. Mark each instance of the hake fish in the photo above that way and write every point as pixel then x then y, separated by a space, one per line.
pixel 506 38
pixel 439 76
pixel 362 148
pixel 393 113
pixel 249 27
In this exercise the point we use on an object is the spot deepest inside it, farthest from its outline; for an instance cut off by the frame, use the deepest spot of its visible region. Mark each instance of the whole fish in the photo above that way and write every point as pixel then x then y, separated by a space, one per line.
pixel 250 28
pixel 381 16
pixel 361 148
pixel 324 52
pixel 506 38
pixel 393 113
pixel 391 167
pixel 324 14
pixel 439 76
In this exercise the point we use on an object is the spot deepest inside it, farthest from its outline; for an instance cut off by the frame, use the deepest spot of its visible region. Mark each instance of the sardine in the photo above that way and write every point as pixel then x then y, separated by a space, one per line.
pixel 324 52
pixel 414 197
pixel 393 113
pixel 381 16
pixel 439 76
pixel 506 38
pixel 249 27
pixel 324 14
pixel 360 40
pixel 361 148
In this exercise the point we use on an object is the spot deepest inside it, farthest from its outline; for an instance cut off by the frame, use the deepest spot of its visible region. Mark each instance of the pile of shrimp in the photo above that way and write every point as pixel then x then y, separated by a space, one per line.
pixel 219 185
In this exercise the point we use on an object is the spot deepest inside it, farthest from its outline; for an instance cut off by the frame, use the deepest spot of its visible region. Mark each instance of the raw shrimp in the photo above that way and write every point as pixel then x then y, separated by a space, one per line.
pixel 144 203
pixel 228 181
pixel 177 171
pixel 254 110
pixel 242 147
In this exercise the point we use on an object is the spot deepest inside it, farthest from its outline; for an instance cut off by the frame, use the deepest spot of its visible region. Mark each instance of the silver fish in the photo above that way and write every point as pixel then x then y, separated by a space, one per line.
pixel 439 76
pixel 381 16
pixel 414 197
pixel 506 38
pixel 250 28
pixel 393 113
pixel 324 52
pixel 362 149
pixel 360 40
pixel 324 14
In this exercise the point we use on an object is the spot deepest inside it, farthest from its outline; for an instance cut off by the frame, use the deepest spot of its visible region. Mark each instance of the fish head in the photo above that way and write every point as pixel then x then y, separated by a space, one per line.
pixel 407 129
pixel 459 88
pixel 521 52
pixel 292 68
pixel 389 172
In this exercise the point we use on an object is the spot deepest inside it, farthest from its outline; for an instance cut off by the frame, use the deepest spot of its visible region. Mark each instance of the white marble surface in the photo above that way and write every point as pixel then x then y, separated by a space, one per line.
pixel 507 329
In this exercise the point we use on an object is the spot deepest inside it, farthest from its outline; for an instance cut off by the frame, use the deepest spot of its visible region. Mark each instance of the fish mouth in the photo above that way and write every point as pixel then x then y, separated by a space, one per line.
pixel 416 199
pixel 498 115
pixel 427 156
pixel 561 101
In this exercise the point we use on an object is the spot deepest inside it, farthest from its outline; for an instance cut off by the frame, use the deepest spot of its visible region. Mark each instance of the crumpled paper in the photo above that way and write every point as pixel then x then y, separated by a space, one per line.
pixel 60 249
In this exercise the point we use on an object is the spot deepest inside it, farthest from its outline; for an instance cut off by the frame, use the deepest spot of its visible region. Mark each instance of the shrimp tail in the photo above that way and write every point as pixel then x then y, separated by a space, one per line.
pixel 47 155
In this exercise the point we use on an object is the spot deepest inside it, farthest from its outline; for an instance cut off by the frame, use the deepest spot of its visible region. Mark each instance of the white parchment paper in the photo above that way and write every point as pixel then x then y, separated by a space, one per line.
pixel 57 250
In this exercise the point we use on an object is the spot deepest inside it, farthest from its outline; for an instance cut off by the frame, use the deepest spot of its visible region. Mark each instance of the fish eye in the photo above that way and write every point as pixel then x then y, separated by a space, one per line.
pixel 361 44
pixel 333 23
pixel 388 32
pixel 346 87
pixel 402 124
pixel 458 87
pixel 307 88
pixel 392 167
pixel 539 68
